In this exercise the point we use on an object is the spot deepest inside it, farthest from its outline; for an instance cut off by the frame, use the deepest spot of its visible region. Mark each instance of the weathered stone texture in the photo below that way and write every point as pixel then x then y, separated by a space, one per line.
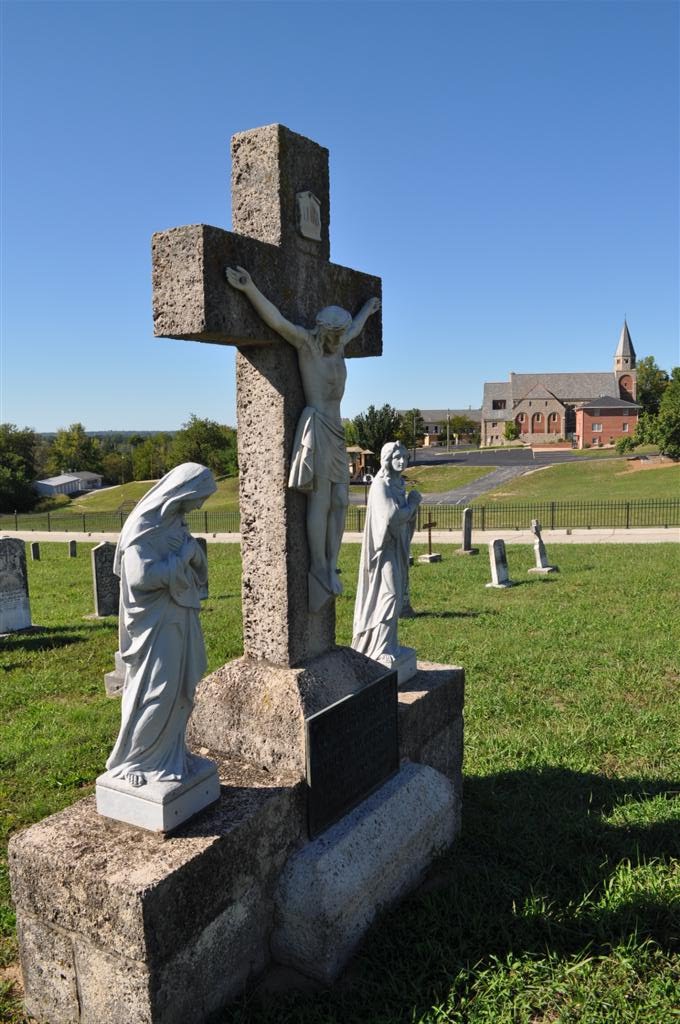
pixel 105 582
pixel 135 914
pixel 269 166
pixel 257 710
pixel 332 889
pixel 15 609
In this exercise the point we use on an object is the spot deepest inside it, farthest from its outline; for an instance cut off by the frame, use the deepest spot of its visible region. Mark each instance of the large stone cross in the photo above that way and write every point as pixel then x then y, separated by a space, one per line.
pixel 281 216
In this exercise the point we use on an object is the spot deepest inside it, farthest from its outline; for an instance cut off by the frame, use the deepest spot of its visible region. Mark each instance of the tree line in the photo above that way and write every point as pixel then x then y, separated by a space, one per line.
pixel 26 456
pixel 658 392
pixel 376 426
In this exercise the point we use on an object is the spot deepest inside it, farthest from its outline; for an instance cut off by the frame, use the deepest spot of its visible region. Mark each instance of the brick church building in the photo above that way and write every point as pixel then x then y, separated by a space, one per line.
pixel 587 408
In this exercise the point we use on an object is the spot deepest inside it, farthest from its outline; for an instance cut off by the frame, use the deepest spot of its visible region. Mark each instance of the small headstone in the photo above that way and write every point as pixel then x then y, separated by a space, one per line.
pixel 72 549
pixel 430 556
pixel 15 610
pixel 203 545
pixel 542 568
pixel 466 547
pixel 106 583
pixel 35 551
pixel 115 681
pixel 499 565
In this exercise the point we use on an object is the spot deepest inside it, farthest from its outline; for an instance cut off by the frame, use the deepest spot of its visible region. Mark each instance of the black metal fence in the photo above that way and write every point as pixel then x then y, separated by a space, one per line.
pixel 553 515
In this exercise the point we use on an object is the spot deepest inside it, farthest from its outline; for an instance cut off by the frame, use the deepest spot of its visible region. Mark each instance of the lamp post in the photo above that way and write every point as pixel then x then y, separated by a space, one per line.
pixel 448 432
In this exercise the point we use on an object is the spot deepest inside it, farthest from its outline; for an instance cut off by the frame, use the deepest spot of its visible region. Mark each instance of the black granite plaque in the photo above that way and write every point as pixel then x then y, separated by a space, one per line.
pixel 352 747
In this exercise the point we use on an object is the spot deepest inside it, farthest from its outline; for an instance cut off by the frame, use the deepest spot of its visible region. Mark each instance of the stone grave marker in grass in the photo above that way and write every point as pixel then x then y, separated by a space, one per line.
pixel 15 609
pixel 105 582
pixel 542 567
pixel 245 873
pixel 500 578
pixel 466 547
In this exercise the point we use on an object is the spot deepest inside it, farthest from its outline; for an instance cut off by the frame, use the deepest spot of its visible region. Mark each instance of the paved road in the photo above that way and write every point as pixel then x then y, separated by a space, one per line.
pixel 504 464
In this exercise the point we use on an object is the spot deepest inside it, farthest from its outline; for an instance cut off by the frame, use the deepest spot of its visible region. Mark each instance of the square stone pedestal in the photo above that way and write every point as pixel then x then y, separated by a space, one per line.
pixel 426 559
pixel 543 570
pixel 159 806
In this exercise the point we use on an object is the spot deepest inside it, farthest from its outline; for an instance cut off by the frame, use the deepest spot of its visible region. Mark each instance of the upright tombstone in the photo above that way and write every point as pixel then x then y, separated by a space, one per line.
pixel 542 567
pixel 246 874
pixel 15 610
pixel 72 549
pixel 104 580
pixel 35 551
pixel 466 547
pixel 500 578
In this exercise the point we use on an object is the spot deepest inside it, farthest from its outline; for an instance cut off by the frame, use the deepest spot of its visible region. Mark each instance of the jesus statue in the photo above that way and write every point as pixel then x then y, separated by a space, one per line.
pixel 319 466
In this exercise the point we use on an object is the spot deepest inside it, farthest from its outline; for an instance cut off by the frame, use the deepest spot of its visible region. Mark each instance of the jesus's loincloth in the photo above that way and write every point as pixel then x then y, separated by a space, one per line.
pixel 318 453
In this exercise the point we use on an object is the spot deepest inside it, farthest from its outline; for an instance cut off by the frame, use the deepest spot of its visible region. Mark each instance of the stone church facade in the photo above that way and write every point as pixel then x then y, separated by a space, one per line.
pixel 548 407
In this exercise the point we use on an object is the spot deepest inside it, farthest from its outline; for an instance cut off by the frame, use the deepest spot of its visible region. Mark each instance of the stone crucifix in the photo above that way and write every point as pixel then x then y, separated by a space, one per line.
pixel 281 216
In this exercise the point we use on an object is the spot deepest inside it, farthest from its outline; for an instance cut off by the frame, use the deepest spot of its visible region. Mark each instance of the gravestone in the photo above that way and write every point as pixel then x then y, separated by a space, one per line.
pixel 35 551
pixel 105 582
pixel 15 610
pixel 431 556
pixel 246 868
pixel 72 549
pixel 203 544
pixel 466 547
pixel 498 558
pixel 542 567
pixel 114 681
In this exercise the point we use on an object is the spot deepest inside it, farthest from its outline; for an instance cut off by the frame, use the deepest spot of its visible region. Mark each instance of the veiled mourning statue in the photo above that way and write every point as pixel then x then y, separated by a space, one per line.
pixel 383 569
pixel 163 573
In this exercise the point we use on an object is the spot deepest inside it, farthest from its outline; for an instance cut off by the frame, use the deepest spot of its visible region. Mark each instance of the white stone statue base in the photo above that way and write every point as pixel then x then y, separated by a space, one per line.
pixel 434 557
pixel 406 664
pixel 159 806
pixel 543 570
pixel 500 586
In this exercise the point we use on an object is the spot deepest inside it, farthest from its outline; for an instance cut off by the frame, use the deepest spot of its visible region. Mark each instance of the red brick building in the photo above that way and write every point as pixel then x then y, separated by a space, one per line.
pixel 605 420
pixel 545 405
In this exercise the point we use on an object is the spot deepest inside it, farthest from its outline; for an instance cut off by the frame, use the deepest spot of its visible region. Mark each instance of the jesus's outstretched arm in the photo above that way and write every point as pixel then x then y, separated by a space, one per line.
pixel 241 280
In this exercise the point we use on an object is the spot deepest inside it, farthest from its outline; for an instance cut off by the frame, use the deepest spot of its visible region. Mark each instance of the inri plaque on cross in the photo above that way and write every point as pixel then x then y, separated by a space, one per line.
pixel 281 216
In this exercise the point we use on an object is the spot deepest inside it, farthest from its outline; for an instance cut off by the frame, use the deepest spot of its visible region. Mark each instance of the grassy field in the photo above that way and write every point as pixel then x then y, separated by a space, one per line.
pixel 561 902
pixel 225 498
pixel 591 481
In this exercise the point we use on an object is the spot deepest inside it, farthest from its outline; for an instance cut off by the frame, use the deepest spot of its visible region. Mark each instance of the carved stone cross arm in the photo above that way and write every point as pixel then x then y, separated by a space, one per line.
pixel 192 299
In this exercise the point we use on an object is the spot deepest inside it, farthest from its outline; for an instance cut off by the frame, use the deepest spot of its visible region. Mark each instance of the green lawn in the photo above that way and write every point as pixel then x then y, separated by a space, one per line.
pixel 561 902
pixel 437 479
pixel 110 499
pixel 609 480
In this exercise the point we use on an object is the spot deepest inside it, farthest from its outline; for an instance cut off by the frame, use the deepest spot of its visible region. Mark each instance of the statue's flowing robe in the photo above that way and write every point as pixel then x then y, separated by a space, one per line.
pixel 319 452
pixel 160 637
pixel 383 569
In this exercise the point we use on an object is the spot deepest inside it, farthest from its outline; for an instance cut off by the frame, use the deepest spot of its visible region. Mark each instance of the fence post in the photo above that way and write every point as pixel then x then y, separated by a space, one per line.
pixel 205 521
pixel 552 515
pixel 49 523
pixel 483 526
pixel 628 515
pixel 84 530
pixel 16 520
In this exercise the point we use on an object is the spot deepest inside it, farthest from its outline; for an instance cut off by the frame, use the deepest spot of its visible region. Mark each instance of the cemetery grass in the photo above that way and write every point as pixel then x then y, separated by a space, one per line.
pixel 611 480
pixel 561 900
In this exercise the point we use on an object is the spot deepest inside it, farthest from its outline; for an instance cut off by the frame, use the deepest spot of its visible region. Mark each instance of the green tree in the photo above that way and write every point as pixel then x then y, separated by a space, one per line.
pixel 510 430
pixel 463 426
pixel 18 452
pixel 411 428
pixel 668 420
pixel 151 458
pixel 117 466
pixel 651 384
pixel 74 451
pixel 376 427
pixel 207 442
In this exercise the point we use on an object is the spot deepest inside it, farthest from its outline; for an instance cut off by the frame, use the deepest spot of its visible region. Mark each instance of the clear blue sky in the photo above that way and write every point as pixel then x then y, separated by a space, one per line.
pixel 509 169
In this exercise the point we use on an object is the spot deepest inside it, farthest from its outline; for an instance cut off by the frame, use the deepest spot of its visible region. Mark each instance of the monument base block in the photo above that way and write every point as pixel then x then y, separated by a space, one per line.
pixel 426 559
pixel 499 586
pixel 332 889
pixel 120 924
pixel 543 570
pixel 159 806
pixel 466 551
